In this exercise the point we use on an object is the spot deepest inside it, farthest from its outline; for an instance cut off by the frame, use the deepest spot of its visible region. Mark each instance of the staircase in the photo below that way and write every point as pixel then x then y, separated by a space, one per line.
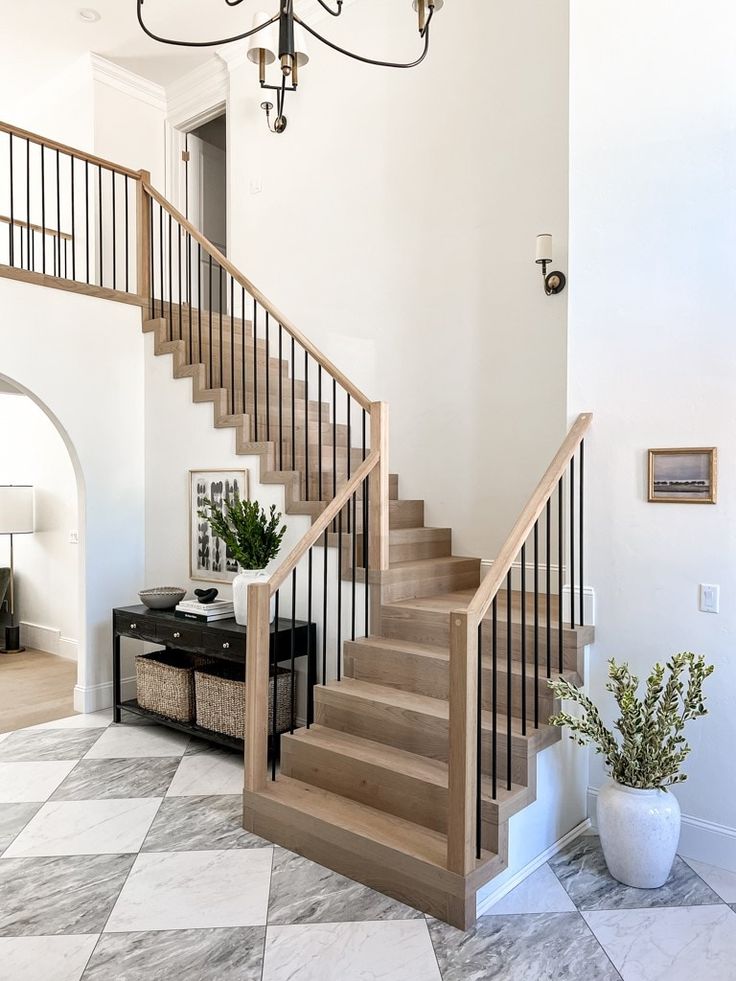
pixel 423 732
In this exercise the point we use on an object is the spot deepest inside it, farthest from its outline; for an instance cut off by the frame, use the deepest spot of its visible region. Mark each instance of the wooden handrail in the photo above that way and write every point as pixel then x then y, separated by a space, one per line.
pixel 324 521
pixel 20 223
pixel 256 294
pixel 478 606
pixel 71 151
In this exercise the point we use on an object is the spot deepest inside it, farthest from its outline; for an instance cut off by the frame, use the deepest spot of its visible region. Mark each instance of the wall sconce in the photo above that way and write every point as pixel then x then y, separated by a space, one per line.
pixel 554 282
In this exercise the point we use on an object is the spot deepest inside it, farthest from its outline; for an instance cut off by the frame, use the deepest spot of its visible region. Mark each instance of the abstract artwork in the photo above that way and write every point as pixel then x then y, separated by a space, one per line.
pixel 209 558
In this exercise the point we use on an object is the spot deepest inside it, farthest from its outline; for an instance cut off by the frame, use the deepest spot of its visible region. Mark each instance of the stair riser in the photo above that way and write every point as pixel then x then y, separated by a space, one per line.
pixel 405 514
pixel 462 576
pixel 396 793
pixel 433 547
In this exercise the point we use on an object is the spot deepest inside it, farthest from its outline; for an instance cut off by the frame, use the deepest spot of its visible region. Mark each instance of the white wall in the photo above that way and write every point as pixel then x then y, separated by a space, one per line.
pixel 46 580
pixel 396 228
pixel 81 358
pixel 653 349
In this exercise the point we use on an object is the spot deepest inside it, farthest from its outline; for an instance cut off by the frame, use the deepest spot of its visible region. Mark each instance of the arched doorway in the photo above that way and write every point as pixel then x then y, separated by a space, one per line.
pixel 37 682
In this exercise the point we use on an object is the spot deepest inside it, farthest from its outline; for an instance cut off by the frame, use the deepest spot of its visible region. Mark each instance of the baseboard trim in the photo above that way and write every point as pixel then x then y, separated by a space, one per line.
pixel 94 698
pixel 704 841
pixel 485 904
pixel 49 640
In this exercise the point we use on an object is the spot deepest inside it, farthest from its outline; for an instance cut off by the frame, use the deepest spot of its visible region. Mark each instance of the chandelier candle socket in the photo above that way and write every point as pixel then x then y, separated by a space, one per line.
pixel 554 282
pixel 290 46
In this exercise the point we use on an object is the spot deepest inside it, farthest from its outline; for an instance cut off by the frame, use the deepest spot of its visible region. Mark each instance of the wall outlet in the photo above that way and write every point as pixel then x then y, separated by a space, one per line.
pixel 74 538
pixel 255 185
pixel 710 598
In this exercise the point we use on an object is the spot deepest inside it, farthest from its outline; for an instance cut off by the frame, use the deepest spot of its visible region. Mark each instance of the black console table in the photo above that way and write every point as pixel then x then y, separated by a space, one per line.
pixel 223 640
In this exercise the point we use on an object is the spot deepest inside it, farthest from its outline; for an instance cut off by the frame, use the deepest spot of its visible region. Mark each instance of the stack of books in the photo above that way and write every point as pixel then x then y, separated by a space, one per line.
pixel 205 612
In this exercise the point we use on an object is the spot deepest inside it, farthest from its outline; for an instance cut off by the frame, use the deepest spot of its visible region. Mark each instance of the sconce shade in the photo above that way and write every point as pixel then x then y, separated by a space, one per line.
pixel 262 41
pixel 16 510
pixel 544 248
pixel 438 5
pixel 300 46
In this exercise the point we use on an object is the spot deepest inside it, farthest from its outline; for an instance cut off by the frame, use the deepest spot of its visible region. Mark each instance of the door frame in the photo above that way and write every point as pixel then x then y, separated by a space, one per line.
pixel 198 97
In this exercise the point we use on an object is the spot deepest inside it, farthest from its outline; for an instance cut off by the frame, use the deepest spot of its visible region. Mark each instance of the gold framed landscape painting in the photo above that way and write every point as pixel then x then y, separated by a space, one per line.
pixel 683 476
pixel 209 557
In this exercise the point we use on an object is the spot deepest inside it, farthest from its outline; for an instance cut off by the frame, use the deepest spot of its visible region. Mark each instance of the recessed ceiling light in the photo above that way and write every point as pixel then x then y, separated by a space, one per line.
pixel 89 16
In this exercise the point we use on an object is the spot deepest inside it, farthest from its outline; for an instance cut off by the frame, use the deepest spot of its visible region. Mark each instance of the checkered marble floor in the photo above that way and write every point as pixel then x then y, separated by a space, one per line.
pixel 122 857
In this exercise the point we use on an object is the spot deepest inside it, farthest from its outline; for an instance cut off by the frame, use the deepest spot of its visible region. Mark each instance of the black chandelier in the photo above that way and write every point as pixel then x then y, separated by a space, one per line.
pixel 290 46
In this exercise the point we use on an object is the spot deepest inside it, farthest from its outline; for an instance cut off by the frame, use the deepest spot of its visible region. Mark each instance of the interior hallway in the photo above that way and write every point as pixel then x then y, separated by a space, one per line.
pixel 35 687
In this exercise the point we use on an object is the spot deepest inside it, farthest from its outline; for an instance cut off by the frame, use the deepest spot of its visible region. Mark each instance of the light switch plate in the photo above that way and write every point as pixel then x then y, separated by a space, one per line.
pixel 710 598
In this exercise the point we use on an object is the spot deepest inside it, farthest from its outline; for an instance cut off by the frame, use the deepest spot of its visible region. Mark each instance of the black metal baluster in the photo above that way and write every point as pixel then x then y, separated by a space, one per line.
pixel 536 624
pixel 479 745
pixel 306 423
pixel 151 270
pixel 494 706
pixel 324 614
pixel 161 258
pixel 281 397
pixel 199 307
pixel 74 233
pixel 292 367
pixel 232 345
pixel 255 370
pixel 127 239
pixel 243 352
pixel 355 565
pixel 293 648
pixel 181 295
pixel 509 676
pixel 310 671
pixel 11 227
pixel 365 530
pixel 580 536
pixel 28 205
pixel 114 234
pixel 99 223
pixel 349 447
pixel 86 217
pixel 572 542
pixel 171 284
pixel 523 639
pixel 190 286
pixel 334 441
pixel 43 209
pixel 560 635
pixel 339 595
pixel 548 556
pixel 209 305
pixel 221 304
pixel 268 377
pixel 319 432
pixel 274 641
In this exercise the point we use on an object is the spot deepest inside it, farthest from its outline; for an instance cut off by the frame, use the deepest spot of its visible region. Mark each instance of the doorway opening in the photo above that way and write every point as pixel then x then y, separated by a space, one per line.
pixel 38 676
pixel 205 181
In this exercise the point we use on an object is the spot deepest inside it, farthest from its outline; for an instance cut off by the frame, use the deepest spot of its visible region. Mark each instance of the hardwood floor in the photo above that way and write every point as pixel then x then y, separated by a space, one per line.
pixel 35 687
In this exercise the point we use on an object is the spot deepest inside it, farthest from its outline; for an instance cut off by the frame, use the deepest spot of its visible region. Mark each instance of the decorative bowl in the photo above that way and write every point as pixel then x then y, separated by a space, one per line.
pixel 162 597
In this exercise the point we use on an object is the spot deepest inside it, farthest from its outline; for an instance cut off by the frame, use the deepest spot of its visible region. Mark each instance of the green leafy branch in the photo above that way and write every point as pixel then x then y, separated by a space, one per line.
pixel 252 536
pixel 651 748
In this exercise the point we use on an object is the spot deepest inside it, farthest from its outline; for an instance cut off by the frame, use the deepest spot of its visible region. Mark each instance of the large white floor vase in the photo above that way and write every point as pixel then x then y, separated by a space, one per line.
pixel 639 832
pixel 240 593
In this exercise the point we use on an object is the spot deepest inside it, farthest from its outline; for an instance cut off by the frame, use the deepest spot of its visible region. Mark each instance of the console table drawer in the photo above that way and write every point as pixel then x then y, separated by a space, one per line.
pixel 225 643
pixel 186 635
pixel 133 626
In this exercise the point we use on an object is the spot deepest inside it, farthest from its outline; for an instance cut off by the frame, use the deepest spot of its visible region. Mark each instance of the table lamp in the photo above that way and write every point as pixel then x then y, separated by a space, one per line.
pixel 16 518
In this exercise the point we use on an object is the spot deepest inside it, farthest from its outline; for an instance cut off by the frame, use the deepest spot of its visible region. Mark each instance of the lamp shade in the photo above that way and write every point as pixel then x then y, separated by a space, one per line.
pixel 263 41
pixel 16 510
pixel 544 248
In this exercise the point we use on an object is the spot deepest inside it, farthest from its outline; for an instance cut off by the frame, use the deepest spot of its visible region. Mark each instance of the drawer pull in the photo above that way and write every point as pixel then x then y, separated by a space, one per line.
pixel 134 626
pixel 226 646
pixel 177 635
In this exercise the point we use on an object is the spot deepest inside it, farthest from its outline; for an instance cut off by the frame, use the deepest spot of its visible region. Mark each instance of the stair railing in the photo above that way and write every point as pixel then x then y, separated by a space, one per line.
pixel 492 628
pixel 68 215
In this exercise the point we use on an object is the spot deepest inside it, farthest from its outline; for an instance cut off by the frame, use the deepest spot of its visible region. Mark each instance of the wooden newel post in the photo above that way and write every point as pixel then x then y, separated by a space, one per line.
pixel 143 229
pixel 463 709
pixel 257 670
pixel 379 489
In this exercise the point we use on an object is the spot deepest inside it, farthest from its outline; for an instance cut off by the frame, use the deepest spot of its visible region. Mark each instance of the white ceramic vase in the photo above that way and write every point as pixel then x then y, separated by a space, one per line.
pixel 639 832
pixel 240 593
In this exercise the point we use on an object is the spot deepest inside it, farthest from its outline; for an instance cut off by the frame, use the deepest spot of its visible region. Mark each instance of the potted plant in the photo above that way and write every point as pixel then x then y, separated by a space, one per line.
pixel 252 537
pixel 638 819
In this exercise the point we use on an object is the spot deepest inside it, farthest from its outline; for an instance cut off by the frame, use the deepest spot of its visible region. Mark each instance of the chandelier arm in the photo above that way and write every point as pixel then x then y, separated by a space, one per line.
pixel 368 61
pixel 335 13
pixel 233 3
pixel 201 44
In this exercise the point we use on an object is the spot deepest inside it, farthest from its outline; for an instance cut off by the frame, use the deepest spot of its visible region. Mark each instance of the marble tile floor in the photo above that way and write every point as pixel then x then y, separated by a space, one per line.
pixel 122 857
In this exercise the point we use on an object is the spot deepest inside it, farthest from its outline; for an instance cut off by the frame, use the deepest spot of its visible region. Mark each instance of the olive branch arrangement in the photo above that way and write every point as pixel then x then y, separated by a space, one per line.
pixel 652 747
pixel 252 537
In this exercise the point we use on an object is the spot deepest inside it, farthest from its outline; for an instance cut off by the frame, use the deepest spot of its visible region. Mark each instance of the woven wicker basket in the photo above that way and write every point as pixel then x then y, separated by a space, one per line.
pixel 220 698
pixel 165 683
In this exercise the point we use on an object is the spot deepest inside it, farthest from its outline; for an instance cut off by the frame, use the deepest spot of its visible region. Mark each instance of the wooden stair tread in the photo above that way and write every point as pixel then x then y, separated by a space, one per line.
pixel 441 603
pixel 404 646
pixel 421 567
pixel 384 829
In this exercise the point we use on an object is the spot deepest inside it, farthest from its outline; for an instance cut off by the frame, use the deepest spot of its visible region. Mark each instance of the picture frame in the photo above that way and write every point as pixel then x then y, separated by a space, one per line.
pixel 209 560
pixel 683 475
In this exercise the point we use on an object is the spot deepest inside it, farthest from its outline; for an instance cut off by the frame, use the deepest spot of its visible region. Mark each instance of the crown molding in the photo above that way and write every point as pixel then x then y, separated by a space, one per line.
pixel 201 88
pixel 111 74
